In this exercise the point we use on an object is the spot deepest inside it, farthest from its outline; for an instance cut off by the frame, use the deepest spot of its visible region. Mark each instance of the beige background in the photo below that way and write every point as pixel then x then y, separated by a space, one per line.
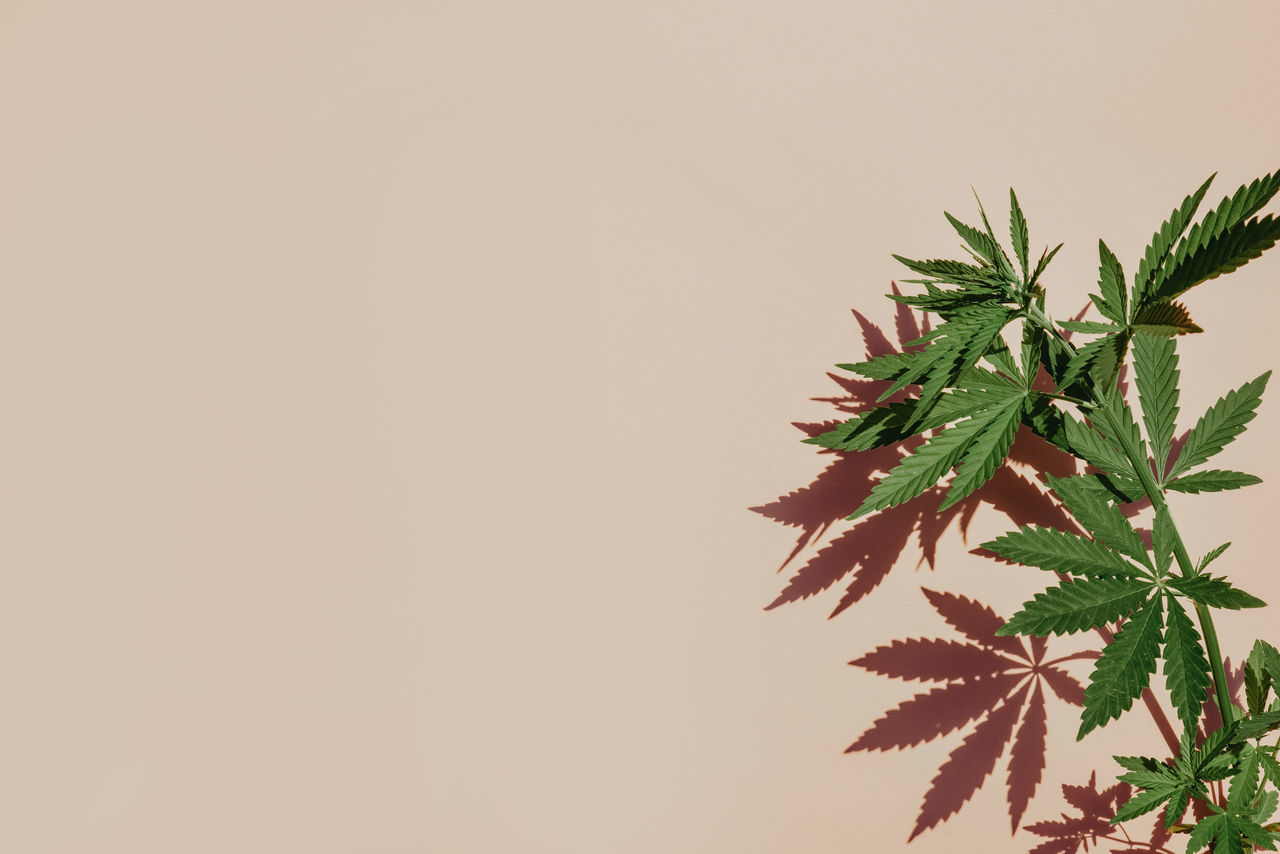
pixel 385 384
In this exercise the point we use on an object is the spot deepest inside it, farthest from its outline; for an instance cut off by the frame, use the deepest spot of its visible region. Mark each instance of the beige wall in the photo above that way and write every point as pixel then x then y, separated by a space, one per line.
pixel 386 384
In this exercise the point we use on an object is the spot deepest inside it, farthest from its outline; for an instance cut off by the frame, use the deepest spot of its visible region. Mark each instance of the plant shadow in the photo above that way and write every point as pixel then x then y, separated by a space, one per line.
pixel 995 687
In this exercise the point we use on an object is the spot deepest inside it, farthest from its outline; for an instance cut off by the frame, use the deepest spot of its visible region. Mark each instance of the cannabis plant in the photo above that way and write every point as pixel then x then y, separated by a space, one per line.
pixel 994 361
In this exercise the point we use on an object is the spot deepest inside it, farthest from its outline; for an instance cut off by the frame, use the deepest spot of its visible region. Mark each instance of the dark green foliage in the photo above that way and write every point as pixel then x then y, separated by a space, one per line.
pixel 1059 551
pixel 1215 592
pixel 1213 554
pixel 1261 672
pixel 1219 243
pixel 890 366
pixel 1165 318
pixel 1111 299
pixel 1079 605
pixel 1222 253
pixel 1100 360
pixel 1178 781
pixel 1155 362
pixel 1163 240
pixel 923 468
pixel 890 424
pixel 967 394
pixel 1042 264
pixel 1213 480
pixel 1089 501
pixel 987 451
pixel 1258 724
pixel 1088 327
pixel 1220 425
pixel 1125 667
pixel 1018 232
pixel 1186 670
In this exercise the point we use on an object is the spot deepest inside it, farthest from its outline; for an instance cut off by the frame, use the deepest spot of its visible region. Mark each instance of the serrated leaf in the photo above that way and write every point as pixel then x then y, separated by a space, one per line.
pixel 1247 200
pixel 1224 252
pixel 1244 784
pixel 941 348
pixel 876 428
pixel 1228 833
pixel 1001 259
pixel 1177 806
pixel 1186 669
pixel 1125 668
pixel 1211 749
pixel 1163 538
pixel 1111 285
pixel 1099 359
pixel 1260 836
pixel 1145 801
pixel 1214 230
pixel 893 422
pixel 1162 242
pixel 1060 551
pixel 1086 499
pixel 1256 726
pixel 1268 659
pixel 888 366
pixel 1018 232
pixel 1095 449
pixel 1165 319
pixel 938 267
pixel 1212 480
pixel 1206 829
pixel 973 335
pixel 1270 768
pixel 978 240
pixel 1213 554
pixel 998 354
pixel 1215 592
pixel 965 338
pixel 1155 362
pixel 1145 763
pixel 1043 263
pixel 1266 807
pixel 1032 345
pixel 945 301
pixel 987 451
pixel 954 272
pixel 1115 420
pixel 1088 327
pixel 1150 776
pixel 1260 671
pixel 1077 606
pixel 920 470
pixel 1220 425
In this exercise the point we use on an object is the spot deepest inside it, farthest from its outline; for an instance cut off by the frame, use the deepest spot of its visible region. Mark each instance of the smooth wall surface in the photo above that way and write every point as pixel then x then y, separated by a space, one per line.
pixel 386 383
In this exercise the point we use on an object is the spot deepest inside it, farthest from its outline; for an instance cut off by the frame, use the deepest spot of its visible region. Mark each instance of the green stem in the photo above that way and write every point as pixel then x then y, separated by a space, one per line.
pixel 1066 398
pixel 1142 468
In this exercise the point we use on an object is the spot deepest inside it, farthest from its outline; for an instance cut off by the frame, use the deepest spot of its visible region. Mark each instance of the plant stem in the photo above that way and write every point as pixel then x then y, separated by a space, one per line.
pixel 1142 468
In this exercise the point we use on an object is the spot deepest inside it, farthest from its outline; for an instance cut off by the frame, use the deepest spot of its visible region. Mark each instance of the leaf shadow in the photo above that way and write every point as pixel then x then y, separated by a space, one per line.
pixel 862 554
pixel 993 687
pixel 1087 824
pixel 997 683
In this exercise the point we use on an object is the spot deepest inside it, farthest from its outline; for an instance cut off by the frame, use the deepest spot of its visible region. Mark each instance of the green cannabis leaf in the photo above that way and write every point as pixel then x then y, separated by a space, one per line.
pixel 966 394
